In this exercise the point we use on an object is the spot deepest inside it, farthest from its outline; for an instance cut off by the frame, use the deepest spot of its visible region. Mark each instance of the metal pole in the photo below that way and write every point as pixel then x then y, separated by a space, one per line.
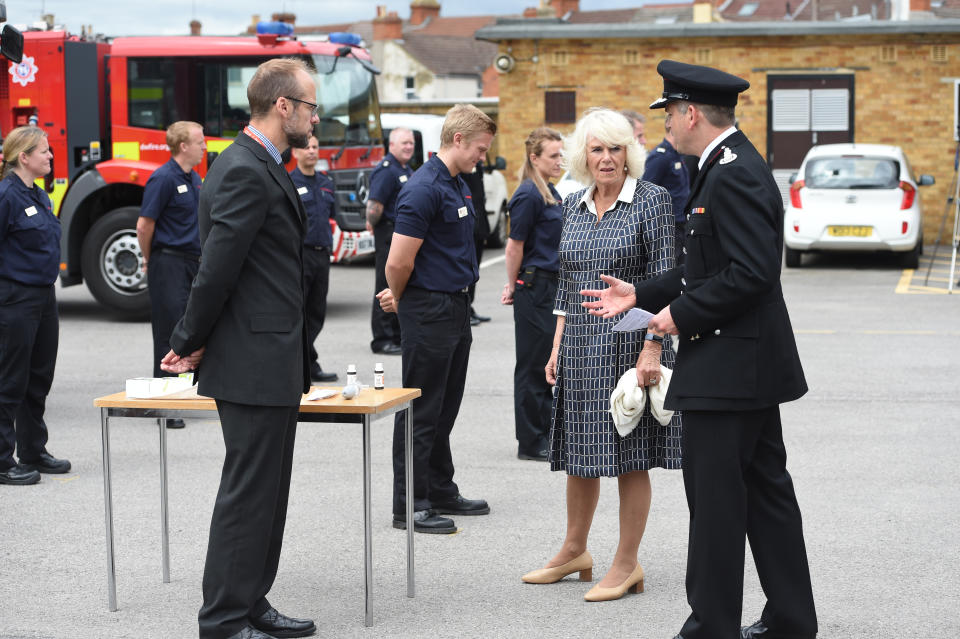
pixel 108 511
pixel 956 241
pixel 367 532
pixel 164 503
pixel 408 468
pixel 951 203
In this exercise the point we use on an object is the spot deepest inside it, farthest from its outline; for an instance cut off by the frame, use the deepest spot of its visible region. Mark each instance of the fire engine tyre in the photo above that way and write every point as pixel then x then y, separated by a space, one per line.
pixel 498 239
pixel 113 265
pixel 792 257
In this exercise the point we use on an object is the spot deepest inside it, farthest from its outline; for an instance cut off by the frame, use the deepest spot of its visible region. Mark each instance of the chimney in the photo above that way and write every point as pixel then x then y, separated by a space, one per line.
pixel 562 7
pixel 423 10
pixel 387 27
pixel 702 11
pixel 919 5
pixel 195 27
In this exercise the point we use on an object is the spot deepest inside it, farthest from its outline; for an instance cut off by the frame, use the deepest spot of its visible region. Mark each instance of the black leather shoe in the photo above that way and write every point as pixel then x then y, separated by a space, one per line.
pixel 460 505
pixel 426 521
pixel 390 349
pixel 759 630
pixel 540 456
pixel 474 320
pixel 280 625
pixel 250 633
pixel 47 464
pixel 479 318
pixel 19 476
pixel 317 374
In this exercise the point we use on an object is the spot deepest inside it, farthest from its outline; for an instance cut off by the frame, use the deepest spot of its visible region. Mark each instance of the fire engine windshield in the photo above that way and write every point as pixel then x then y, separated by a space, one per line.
pixel 347 94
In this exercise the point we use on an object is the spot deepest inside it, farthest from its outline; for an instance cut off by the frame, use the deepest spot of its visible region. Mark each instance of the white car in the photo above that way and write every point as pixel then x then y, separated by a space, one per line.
pixel 567 185
pixel 855 197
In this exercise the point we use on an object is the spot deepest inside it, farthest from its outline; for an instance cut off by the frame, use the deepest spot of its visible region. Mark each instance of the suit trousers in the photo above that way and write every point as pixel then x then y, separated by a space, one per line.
pixel 246 530
pixel 169 278
pixel 534 325
pixel 436 348
pixel 316 284
pixel 29 334
pixel 737 484
pixel 384 326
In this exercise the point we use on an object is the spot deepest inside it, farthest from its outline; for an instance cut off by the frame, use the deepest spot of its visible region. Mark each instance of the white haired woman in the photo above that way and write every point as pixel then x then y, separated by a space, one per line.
pixel 621 226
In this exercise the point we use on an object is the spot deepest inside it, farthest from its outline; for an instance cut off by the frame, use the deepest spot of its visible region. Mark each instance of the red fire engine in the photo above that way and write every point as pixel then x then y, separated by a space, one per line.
pixel 106 105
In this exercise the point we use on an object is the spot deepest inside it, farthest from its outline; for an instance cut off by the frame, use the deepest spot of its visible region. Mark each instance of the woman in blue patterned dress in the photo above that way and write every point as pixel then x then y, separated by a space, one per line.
pixel 620 226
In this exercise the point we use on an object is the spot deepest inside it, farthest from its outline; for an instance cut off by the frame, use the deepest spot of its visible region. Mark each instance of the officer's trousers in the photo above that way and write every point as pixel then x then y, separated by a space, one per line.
pixel 29 336
pixel 436 338
pixel 169 278
pixel 384 326
pixel 534 328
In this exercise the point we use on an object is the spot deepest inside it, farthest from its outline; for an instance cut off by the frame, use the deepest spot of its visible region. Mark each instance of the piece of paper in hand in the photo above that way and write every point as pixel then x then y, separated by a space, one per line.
pixel 634 320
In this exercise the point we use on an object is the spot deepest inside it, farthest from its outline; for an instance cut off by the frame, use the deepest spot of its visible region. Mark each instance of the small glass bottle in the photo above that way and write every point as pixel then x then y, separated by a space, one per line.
pixel 351 374
pixel 378 376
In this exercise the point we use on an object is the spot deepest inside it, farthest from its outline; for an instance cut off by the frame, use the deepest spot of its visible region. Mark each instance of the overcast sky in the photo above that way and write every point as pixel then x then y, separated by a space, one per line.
pixel 229 17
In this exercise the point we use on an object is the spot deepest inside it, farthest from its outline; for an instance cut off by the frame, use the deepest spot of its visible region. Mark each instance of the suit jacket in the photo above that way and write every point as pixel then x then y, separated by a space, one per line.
pixel 737 350
pixel 247 301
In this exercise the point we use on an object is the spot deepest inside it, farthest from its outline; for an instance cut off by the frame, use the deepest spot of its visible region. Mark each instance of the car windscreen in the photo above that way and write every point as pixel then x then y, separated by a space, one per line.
pixel 852 172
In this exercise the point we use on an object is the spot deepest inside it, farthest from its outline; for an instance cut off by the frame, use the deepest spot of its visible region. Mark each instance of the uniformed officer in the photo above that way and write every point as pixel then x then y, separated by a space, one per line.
pixel 666 167
pixel 385 184
pixel 169 236
pixel 316 192
pixel 431 265
pixel 29 325
pixel 736 364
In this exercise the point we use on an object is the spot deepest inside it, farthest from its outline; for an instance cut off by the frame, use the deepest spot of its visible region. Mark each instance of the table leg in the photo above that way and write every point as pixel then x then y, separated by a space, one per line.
pixel 108 511
pixel 164 502
pixel 367 532
pixel 408 467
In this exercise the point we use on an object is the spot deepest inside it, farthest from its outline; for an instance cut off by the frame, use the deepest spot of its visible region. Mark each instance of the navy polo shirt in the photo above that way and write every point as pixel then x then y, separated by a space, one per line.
pixel 436 207
pixel 316 193
pixel 170 198
pixel 29 234
pixel 385 183
pixel 537 225
pixel 665 167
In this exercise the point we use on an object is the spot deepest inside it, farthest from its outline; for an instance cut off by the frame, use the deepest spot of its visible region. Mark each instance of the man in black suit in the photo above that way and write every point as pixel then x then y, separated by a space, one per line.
pixel 736 364
pixel 245 319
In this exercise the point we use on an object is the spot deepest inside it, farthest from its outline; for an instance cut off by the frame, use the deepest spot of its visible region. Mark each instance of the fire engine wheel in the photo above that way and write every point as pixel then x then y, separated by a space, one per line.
pixel 113 265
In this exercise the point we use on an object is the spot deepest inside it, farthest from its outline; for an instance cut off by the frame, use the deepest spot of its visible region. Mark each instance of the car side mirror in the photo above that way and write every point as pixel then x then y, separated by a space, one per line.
pixel 499 164
pixel 793 178
pixel 926 180
pixel 11 43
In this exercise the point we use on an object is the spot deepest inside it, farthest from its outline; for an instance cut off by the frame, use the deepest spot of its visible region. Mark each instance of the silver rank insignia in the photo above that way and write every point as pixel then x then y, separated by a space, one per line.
pixel 386 163
pixel 728 156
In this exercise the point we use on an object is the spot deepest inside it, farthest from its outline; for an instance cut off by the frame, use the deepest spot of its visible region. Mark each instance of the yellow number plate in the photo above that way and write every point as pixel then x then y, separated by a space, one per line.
pixel 850 231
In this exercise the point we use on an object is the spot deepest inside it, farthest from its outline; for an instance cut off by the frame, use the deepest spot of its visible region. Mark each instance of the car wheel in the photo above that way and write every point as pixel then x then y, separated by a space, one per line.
pixel 911 259
pixel 498 239
pixel 792 257
pixel 113 265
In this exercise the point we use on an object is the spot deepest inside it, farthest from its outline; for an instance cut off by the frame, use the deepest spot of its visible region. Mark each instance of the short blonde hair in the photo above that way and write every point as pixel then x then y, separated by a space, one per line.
pixel 23 139
pixel 611 129
pixel 179 133
pixel 468 120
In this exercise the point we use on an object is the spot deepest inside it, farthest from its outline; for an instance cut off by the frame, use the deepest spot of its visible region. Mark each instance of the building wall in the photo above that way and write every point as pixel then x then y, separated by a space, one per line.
pixel 908 101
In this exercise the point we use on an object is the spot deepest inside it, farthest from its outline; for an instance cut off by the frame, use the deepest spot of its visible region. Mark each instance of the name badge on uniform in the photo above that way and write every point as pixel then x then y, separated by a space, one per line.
pixel 182 188
pixel 677 165
pixel 302 190
pixel 462 211
pixel 403 178
pixel 32 210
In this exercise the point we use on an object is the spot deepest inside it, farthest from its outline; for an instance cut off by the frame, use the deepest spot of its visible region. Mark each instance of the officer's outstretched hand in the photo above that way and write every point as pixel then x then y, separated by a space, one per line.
pixel 387 302
pixel 173 363
pixel 612 301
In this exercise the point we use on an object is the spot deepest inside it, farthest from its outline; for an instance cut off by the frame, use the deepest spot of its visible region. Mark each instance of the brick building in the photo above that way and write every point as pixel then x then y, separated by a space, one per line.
pixel 868 81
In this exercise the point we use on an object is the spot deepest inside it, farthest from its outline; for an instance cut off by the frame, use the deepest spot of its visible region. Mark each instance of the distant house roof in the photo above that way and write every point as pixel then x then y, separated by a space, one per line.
pixel 450 55
pixel 464 26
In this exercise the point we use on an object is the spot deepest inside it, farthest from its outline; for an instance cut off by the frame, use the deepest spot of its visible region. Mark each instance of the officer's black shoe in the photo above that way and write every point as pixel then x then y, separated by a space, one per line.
pixel 474 320
pixel 277 624
pixel 478 318
pixel 759 630
pixel 540 455
pixel 175 423
pixel 249 633
pixel 318 375
pixel 426 521
pixel 19 476
pixel 390 349
pixel 460 505
pixel 47 463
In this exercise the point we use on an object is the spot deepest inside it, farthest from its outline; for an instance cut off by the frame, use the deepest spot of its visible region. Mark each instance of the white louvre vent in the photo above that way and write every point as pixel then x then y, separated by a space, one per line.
pixel 830 109
pixel 791 110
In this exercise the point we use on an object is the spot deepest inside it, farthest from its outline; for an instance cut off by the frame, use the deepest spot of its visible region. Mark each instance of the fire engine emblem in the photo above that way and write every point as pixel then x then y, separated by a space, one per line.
pixel 25 72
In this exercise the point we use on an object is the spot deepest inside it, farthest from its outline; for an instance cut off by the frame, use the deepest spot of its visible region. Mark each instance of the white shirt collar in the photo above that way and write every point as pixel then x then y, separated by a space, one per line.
pixel 626 194
pixel 716 141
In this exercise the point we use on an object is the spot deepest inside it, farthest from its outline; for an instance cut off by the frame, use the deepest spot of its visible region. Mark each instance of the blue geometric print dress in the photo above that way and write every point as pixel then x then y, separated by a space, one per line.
pixel 633 241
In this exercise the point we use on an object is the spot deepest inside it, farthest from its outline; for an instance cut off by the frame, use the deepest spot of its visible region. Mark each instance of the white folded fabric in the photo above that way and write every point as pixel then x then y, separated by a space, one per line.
pixel 628 400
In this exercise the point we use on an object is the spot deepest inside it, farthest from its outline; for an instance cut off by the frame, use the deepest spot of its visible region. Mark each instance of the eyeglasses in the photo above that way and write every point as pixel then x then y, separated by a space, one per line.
pixel 314 108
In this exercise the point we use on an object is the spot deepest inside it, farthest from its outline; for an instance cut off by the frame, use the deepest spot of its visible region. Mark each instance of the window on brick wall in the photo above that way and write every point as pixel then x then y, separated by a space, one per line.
pixel 560 107
pixel 631 56
pixel 410 88
pixel 938 53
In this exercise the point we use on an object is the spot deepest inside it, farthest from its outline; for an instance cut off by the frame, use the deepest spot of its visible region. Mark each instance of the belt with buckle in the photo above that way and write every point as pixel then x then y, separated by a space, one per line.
pixel 187 256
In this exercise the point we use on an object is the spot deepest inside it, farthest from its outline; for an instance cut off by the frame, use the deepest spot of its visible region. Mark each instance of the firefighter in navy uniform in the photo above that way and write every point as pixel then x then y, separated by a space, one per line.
pixel 736 364
pixel 666 168
pixel 316 192
pixel 385 183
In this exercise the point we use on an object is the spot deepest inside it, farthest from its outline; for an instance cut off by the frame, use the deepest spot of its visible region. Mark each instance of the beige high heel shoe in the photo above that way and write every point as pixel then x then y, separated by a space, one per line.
pixel 633 583
pixel 582 564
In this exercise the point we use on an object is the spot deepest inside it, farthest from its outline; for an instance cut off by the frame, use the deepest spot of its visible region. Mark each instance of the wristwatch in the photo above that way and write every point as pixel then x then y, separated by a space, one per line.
pixel 655 338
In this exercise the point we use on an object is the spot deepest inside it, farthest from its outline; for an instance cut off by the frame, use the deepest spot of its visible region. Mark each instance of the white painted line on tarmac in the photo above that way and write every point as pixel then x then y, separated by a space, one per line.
pixel 492 261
